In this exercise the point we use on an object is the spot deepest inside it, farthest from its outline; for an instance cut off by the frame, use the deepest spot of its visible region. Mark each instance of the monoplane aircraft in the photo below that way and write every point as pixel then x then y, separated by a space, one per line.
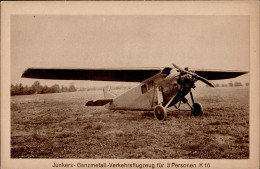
pixel 159 88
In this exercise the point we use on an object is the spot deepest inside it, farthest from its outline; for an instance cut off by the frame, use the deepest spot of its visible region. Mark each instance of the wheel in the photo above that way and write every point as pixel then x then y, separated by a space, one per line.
pixel 197 109
pixel 160 113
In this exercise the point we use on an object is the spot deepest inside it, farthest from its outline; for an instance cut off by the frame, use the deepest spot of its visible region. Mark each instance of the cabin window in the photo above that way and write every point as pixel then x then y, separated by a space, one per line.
pixel 150 85
pixel 144 88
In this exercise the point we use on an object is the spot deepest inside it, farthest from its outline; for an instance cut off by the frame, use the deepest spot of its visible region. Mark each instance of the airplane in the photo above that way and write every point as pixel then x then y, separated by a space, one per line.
pixel 158 89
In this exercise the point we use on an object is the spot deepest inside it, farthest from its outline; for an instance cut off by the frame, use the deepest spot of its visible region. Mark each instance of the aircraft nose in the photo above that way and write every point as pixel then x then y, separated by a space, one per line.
pixel 187 80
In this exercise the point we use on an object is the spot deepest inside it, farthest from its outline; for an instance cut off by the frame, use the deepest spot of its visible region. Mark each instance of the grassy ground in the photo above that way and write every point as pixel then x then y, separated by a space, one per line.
pixel 60 126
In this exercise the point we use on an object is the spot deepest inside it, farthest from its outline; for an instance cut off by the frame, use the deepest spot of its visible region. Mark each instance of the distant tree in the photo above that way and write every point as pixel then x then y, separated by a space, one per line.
pixel 27 90
pixel 57 88
pixel 82 89
pixel 238 84
pixel 14 89
pixel 54 89
pixel 20 88
pixel 247 84
pixel 44 89
pixel 231 84
pixel 37 88
pixel 64 89
pixel 217 85
pixel 72 88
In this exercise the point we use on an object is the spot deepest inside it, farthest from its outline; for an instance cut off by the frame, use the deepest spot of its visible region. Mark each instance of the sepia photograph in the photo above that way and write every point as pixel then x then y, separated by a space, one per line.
pixel 54 114
pixel 130 86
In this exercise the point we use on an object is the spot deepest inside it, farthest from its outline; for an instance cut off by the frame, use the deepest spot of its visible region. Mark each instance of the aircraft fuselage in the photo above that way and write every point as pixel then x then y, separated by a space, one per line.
pixel 148 94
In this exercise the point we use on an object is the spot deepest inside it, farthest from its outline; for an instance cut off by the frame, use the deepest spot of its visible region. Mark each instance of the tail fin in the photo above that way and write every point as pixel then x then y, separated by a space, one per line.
pixel 107 94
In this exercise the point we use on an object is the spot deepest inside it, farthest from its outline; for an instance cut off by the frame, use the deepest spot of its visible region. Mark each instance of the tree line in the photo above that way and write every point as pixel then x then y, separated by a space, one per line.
pixel 101 88
pixel 230 84
pixel 37 88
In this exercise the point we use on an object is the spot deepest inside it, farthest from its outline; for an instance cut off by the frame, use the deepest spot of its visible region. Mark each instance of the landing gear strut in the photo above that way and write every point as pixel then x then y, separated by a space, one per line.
pixel 196 109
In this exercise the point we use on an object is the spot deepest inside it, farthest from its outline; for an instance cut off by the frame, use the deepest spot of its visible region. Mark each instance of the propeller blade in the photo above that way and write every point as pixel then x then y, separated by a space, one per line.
pixel 205 81
pixel 179 68
pixel 183 70
pixel 195 75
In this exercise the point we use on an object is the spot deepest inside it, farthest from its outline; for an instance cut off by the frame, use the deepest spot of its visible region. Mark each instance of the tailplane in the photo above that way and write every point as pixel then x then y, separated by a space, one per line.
pixel 100 102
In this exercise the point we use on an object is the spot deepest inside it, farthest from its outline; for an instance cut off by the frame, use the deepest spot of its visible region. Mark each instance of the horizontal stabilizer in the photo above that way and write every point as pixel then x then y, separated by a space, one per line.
pixel 101 102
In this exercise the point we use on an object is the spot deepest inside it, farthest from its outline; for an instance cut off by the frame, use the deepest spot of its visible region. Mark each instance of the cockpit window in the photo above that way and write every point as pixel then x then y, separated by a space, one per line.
pixel 150 85
pixel 144 88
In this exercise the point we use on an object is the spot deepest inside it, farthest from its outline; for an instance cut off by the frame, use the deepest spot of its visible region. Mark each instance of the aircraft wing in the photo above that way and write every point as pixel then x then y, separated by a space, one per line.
pixel 120 74
pixel 116 74
pixel 218 74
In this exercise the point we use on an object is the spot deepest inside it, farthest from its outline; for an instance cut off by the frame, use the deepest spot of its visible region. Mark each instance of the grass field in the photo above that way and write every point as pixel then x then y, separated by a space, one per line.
pixel 60 126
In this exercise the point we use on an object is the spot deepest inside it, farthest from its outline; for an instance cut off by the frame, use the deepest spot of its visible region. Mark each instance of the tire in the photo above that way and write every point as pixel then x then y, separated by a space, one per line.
pixel 197 109
pixel 160 113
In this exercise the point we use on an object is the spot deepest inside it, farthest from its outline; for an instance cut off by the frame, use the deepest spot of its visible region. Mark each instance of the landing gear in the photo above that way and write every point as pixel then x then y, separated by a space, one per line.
pixel 197 109
pixel 160 112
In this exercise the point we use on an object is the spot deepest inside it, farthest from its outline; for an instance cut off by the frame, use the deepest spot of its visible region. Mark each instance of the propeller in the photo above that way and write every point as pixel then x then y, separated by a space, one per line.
pixel 194 75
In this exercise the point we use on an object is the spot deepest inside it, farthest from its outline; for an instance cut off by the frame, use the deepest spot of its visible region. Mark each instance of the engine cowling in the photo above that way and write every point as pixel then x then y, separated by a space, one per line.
pixel 187 81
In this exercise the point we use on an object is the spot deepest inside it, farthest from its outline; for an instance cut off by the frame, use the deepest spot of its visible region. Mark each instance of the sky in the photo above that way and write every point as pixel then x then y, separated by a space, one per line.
pixel 103 41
